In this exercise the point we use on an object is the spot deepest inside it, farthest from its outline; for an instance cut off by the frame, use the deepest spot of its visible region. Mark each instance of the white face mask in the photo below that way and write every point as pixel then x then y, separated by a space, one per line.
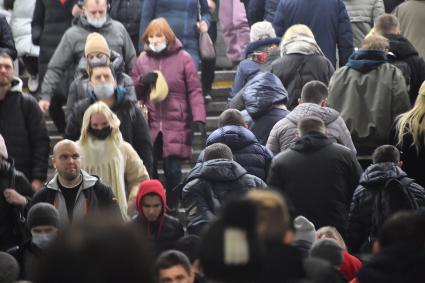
pixel 103 90
pixel 43 240
pixel 96 22
pixel 158 47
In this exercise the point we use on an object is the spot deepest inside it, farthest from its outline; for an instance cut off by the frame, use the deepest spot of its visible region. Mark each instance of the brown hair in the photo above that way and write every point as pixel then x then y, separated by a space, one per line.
pixel 159 25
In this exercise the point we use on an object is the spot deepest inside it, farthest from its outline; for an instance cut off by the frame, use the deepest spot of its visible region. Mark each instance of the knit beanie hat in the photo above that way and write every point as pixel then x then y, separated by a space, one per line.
pixel 96 43
pixel 328 250
pixel 304 230
pixel 230 250
pixel 43 214
pixel 9 268
pixel 261 30
pixel 3 149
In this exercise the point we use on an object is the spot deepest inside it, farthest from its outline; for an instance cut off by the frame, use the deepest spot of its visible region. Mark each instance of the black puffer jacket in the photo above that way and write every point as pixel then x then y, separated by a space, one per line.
pixel 133 127
pixel 128 12
pixel 295 70
pixel 10 233
pixel 50 21
pixel 79 88
pixel 211 183
pixel 372 180
pixel 7 44
pixel 404 51
pixel 24 131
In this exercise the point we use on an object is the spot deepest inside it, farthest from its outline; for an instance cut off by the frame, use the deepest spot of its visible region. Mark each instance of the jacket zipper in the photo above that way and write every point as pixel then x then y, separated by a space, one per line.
pixel 160 104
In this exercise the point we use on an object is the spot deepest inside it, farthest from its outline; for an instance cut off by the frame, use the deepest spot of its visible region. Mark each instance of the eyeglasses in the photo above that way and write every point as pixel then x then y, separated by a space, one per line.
pixel 65 157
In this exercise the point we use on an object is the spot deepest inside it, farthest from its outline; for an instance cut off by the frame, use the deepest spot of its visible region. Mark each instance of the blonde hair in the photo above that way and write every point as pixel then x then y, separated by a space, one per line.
pixel 413 121
pixel 113 121
pixel 273 214
pixel 330 232
pixel 375 42
pixel 295 30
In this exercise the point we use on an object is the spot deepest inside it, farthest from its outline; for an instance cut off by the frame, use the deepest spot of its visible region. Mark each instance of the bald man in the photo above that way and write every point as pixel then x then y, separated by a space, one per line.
pixel 73 191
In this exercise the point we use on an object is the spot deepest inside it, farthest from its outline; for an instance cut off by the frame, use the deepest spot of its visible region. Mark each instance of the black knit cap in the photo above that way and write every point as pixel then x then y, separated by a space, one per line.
pixel 43 214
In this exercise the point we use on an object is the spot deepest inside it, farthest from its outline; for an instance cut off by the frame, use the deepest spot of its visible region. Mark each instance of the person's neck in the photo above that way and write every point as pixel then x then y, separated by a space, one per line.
pixel 110 101
pixel 4 90
pixel 70 183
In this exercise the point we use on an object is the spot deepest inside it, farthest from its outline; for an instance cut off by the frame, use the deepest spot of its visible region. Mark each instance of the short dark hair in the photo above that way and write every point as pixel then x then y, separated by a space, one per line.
pixel 172 258
pixel 314 92
pixel 190 245
pixel 386 23
pixel 402 227
pixel 218 151
pixel 231 117
pixel 386 153
pixel 311 124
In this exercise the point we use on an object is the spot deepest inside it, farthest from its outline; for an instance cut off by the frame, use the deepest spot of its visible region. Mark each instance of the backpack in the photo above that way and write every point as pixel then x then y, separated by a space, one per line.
pixel 393 197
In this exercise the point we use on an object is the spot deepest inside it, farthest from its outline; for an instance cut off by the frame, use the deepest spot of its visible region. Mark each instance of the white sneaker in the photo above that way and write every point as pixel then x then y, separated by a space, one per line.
pixel 33 83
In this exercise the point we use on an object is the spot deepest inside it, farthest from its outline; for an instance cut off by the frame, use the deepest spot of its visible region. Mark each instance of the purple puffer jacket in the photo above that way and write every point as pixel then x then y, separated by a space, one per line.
pixel 183 104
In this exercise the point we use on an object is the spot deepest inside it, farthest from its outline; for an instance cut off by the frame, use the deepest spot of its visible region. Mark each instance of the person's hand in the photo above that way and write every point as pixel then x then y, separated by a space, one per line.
pixel 37 185
pixel 202 26
pixel 212 5
pixel 76 10
pixel 199 126
pixel 149 79
pixel 44 105
pixel 14 198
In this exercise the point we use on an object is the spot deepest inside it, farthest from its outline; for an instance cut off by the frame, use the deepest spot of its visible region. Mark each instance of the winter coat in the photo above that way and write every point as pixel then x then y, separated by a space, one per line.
pixel 71 49
pixel 284 133
pixel 318 178
pixel 165 231
pixel 396 263
pixel 391 4
pixel 411 17
pixel 211 183
pixel 369 93
pixel 264 99
pixel 20 24
pixel 80 87
pixel 7 44
pixel 128 12
pixel 406 53
pixel 24 131
pixel 184 103
pixel 373 180
pixel 363 14
pixel 250 66
pixel 10 230
pixel 93 196
pixel 246 149
pixel 327 19
pixel 261 10
pixel 50 21
pixel 182 16
pixel 295 70
pixel 27 255
pixel 133 127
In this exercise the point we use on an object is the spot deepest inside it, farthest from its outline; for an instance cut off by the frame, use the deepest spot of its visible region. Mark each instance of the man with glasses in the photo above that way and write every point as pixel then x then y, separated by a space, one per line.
pixel 73 191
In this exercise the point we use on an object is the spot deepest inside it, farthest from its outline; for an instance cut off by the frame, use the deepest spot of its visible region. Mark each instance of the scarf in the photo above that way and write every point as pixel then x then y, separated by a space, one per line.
pixel 300 44
pixel 103 158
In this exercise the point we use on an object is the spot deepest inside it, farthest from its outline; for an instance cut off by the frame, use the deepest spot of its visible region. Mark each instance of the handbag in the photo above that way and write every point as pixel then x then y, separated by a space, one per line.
pixel 206 46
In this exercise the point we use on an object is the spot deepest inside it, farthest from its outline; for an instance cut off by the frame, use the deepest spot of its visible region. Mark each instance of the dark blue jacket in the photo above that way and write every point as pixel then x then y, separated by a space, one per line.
pixel 246 149
pixel 328 19
pixel 264 99
pixel 128 12
pixel 7 44
pixel 261 10
pixel 182 16
pixel 249 67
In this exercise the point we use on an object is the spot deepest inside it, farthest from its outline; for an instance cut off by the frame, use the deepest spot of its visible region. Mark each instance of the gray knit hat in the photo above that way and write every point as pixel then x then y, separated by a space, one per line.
pixel 43 214
pixel 261 30
pixel 304 230
pixel 328 250
pixel 9 268
pixel 3 149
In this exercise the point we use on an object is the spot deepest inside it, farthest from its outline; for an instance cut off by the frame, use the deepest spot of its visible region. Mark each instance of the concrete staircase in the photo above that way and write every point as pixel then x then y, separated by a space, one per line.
pixel 220 92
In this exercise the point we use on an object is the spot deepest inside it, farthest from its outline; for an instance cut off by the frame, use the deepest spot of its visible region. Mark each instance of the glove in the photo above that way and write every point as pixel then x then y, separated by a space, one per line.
pixel 198 126
pixel 149 79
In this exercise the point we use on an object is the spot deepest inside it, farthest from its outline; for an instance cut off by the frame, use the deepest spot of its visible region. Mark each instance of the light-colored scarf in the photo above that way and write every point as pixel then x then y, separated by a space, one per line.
pixel 300 44
pixel 104 159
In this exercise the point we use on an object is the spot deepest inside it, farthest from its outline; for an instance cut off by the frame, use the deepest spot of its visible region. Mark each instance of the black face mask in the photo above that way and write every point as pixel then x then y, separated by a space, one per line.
pixel 100 134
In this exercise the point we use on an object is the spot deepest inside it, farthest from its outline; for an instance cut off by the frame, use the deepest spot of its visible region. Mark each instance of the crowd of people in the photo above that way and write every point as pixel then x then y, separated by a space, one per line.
pixel 313 173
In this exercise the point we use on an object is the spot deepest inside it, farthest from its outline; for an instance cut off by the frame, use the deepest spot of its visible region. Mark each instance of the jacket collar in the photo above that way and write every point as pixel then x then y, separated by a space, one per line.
pixel 87 182
pixel 311 142
pixel 365 61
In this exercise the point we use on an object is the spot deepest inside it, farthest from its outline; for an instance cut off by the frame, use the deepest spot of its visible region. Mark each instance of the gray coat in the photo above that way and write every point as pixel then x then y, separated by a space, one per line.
pixel 71 49
pixel 284 132
pixel 362 14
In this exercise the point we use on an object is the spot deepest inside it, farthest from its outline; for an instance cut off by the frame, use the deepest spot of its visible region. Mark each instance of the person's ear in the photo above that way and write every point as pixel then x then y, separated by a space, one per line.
pixel 376 247
pixel 400 164
pixel 300 101
pixel 246 126
pixel 324 103
pixel 288 238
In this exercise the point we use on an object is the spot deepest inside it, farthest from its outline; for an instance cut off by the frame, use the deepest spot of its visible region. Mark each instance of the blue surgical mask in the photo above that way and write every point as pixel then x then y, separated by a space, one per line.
pixel 103 90
pixel 157 48
pixel 43 240
pixel 96 22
